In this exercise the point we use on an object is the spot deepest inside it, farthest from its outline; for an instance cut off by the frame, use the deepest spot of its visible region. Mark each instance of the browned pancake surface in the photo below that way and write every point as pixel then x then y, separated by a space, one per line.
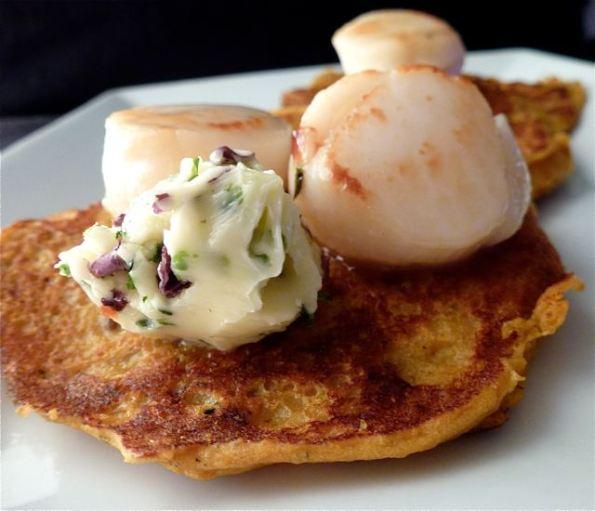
pixel 386 355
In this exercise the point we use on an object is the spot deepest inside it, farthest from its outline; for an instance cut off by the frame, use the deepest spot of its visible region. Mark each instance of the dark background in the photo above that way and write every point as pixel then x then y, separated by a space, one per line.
pixel 56 54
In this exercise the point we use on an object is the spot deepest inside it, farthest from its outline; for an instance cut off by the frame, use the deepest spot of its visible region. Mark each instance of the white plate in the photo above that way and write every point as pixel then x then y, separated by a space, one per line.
pixel 542 458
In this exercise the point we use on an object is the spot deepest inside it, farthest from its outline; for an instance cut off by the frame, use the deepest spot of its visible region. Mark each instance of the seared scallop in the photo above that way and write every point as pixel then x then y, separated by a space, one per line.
pixel 410 169
pixel 145 145
pixel 386 39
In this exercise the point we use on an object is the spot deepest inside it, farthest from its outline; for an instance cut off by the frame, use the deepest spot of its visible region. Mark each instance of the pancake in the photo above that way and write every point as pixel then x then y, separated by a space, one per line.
pixel 390 365
pixel 541 115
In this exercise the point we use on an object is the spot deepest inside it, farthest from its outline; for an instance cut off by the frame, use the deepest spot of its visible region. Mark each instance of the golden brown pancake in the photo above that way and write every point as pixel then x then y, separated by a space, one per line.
pixel 391 364
pixel 541 116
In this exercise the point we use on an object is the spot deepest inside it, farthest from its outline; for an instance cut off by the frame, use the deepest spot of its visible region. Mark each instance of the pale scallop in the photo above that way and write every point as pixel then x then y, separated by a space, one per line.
pixel 386 39
pixel 145 145
pixel 416 173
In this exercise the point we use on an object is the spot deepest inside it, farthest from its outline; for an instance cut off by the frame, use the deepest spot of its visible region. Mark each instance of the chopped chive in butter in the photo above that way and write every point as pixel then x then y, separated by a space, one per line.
pixel 64 270
pixel 195 166
pixel 262 239
pixel 179 262
pixel 263 258
pixel 143 323
pixel 233 197
pixel 157 254
pixel 299 179
pixel 129 282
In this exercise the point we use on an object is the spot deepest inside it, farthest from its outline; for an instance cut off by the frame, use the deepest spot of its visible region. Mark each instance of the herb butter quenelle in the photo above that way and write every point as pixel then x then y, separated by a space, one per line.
pixel 215 253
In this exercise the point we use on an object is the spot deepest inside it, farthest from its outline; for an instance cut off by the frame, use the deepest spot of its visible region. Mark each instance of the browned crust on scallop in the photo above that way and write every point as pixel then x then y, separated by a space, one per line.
pixel 541 116
pixel 392 364
pixel 252 122
pixel 342 177
pixel 373 26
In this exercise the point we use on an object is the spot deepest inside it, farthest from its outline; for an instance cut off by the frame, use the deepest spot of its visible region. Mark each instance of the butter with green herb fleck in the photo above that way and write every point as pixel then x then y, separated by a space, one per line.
pixel 215 254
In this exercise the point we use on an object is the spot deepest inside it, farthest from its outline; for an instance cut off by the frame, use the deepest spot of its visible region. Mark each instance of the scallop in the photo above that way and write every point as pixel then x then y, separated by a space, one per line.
pixel 410 169
pixel 145 145
pixel 385 39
